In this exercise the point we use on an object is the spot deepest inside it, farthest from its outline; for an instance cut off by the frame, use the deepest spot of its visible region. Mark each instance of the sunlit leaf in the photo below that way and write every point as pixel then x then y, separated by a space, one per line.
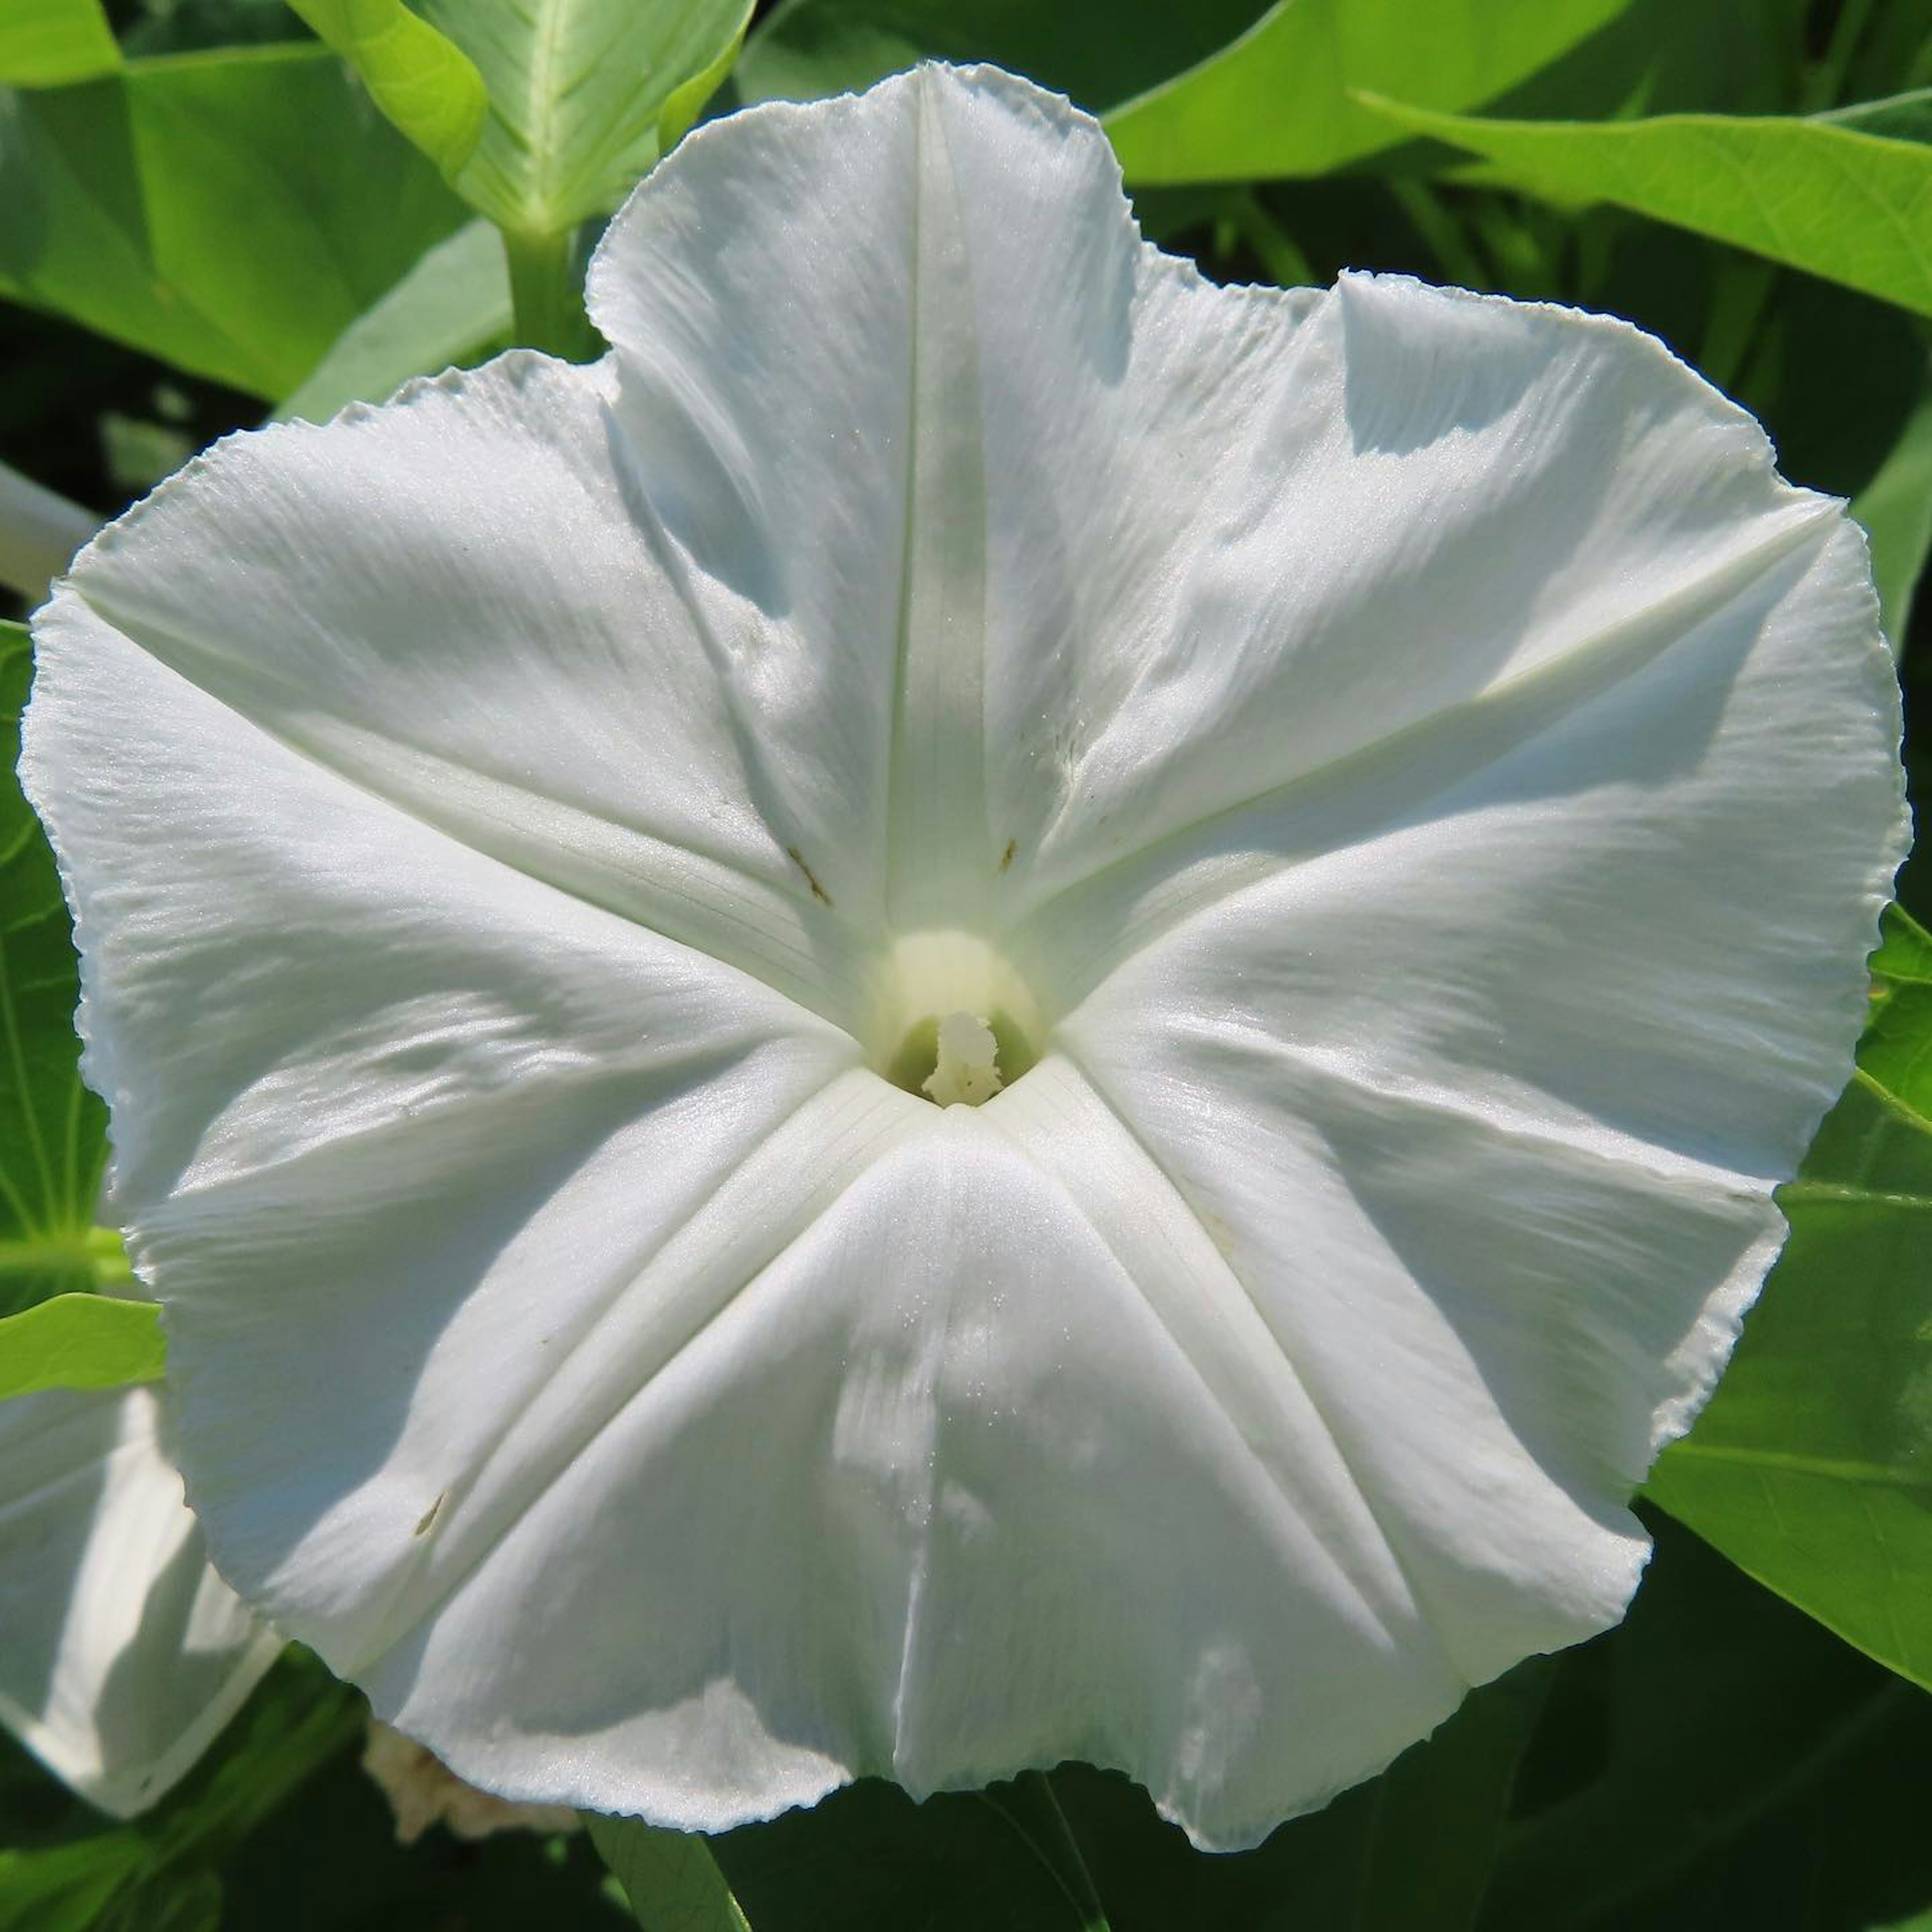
pixel 1211 79
pixel 1854 207
pixel 231 213
pixel 685 105
pixel 47 43
pixel 1662 57
pixel 577 89
pixel 425 84
pixel 81 1342
pixel 66 1887
pixel 1099 52
pixel 451 307
pixel 1812 1467
pixel 670 1878
pixel 1278 101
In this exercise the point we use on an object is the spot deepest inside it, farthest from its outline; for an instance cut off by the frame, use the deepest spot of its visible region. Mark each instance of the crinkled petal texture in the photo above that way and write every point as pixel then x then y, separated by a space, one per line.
pixel 124 1653
pixel 1436 783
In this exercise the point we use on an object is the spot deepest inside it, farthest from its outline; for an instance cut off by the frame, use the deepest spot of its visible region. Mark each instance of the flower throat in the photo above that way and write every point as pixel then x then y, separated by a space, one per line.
pixel 956 1023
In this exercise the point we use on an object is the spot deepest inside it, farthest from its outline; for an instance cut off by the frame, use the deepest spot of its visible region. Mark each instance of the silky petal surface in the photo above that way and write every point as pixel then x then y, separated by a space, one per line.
pixel 833 329
pixel 341 588
pixel 1499 1203
pixel 445 1107
pixel 124 1653
pixel 934 1497
pixel 1357 718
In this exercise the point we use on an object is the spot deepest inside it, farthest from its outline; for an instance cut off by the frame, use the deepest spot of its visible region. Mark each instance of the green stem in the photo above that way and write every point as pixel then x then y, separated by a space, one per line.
pixel 1029 1806
pixel 98 1251
pixel 108 1253
pixel 1509 231
pixel 1740 289
pixel 1276 249
pixel 1822 85
pixel 1439 230
pixel 546 296
pixel 1558 1846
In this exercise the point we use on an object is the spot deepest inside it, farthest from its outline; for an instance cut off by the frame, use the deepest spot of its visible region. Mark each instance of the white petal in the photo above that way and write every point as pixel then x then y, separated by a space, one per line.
pixel 849 337
pixel 124 1653
pixel 394 1119
pixel 460 601
pixel 959 1481
pixel 1483 1087
pixel 1275 530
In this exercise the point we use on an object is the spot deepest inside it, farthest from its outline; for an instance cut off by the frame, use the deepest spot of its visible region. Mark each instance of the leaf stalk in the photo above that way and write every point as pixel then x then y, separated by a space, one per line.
pixel 547 291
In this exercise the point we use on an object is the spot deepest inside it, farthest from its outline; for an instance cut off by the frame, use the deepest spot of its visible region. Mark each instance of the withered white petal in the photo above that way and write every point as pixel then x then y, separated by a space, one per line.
pixel 124 1653
pixel 1378 797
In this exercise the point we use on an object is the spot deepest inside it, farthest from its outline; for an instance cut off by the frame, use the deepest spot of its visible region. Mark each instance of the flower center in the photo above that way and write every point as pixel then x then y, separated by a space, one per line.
pixel 955 1022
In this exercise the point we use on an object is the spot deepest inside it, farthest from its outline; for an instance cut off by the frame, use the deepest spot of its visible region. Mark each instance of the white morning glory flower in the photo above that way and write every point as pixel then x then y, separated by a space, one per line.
pixel 124 1653
pixel 1381 795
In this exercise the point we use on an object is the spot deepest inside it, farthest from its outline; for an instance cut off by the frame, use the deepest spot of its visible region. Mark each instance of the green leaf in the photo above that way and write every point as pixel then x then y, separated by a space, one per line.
pixel 153 1871
pixel 1903 960
pixel 1100 52
pixel 577 90
pixel 201 26
pixel 1432 1835
pixel 1895 508
pixel 1662 57
pixel 188 1900
pixel 869 1859
pixel 1842 382
pixel 1028 1804
pixel 48 43
pixel 1719 1761
pixel 66 1887
pixel 1811 1468
pixel 1279 101
pixel 1899 117
pixel 81 1342
pixel 451 307
pixel 685 105
pixel 426 87
pixel 231 213
pixel 331 1862
pixel 1410 1851
pixel 1853 207
pixel 1894 52
pixel 53 1132
pixel 670 1878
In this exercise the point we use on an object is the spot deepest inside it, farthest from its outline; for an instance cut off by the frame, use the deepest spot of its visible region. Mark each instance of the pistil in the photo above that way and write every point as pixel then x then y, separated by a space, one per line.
pixel 968 1070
